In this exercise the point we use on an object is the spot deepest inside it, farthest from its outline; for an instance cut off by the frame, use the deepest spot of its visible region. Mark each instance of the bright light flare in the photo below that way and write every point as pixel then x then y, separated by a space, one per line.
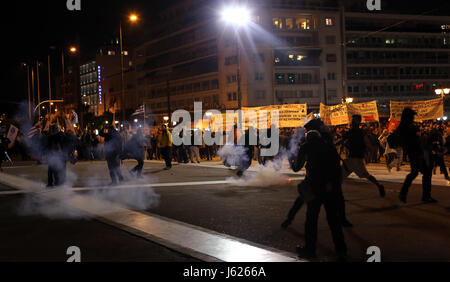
pixel 133 18
pixel 236 15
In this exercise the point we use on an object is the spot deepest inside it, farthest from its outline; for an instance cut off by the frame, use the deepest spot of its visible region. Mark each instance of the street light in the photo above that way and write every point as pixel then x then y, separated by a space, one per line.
pixel 237 16
pixel 132 18
pixel 442 91
pixel 347 100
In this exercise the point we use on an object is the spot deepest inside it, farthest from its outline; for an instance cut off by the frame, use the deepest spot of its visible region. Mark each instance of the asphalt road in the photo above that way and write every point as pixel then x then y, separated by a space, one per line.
pixel 404 232
pixel 25 236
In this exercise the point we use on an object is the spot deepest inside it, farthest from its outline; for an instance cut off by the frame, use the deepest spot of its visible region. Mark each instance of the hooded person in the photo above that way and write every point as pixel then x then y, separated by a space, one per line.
pixel 113 151
pixel 419 158
pixel 316 125
pixel 322 186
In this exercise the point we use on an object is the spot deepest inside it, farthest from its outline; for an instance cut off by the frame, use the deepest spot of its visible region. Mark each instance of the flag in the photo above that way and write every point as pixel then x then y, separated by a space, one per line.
pixel 392 124
pixel 12 134
pixel 34 130
pixel 139 111
pixel 74 117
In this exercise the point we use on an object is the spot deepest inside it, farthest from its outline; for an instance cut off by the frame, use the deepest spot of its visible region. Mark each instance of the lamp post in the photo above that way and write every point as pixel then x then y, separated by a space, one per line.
pixel 347 100
pixel 133 18
pixel 238 17
pixel 442 91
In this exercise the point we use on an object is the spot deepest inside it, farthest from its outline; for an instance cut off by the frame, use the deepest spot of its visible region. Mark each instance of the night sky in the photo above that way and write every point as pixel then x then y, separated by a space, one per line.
pixel 29 28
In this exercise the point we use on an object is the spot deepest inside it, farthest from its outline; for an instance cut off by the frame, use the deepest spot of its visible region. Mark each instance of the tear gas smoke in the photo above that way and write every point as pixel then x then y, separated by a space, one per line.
pixel 59 202
pixel 233 155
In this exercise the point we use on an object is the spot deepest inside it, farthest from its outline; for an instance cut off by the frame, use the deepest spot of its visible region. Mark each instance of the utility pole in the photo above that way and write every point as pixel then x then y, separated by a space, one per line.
pixel 38 90
pixel 49 85
pixel 29 92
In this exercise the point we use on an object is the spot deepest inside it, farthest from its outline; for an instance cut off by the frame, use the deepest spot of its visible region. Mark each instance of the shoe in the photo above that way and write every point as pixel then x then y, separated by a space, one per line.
pixel 240 173
pixel 402 198
pixel 286 223
pixel 346 223
pixel 303 252
pixel 198 162
pixel 112 184
pixel 167 168
pixel 382 191
pixel 429 200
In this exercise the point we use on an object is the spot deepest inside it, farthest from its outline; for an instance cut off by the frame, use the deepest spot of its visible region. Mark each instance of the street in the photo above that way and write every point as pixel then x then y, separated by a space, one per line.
pixel 208 198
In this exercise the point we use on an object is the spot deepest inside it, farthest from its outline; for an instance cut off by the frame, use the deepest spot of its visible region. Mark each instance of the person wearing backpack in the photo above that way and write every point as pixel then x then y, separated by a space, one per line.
pixel 418 155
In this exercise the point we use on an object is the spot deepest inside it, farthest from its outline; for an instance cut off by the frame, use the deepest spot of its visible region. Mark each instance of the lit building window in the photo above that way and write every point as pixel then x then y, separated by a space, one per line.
pixel 329 22
pixel 277 23
pixel 290 23
pixel 302 23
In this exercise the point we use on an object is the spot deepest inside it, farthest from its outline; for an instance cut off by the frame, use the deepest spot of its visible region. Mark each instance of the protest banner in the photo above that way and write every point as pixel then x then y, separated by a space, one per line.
pixel 342 113
pixel 334 115
pixel 426 110
pixel 367 110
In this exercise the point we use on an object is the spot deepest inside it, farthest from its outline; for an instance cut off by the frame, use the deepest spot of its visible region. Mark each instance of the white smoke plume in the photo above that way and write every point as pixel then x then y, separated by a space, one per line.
pixel 265 176
pixel 233 155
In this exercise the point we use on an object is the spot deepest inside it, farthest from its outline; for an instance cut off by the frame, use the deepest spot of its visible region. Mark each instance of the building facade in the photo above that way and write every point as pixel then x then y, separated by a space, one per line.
pixel 291 52
pixel 95 86
pixel 405 62
pixel 287 54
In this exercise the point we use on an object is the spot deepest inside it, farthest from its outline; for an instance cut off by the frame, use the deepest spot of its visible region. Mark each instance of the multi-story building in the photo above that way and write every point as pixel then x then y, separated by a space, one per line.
pixel 94 76
pixel 289 53
pixel 292 52
pixel 407 61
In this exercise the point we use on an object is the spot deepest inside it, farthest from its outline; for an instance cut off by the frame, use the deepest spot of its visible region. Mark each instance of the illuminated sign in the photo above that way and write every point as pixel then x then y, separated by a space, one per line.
pixel 100 94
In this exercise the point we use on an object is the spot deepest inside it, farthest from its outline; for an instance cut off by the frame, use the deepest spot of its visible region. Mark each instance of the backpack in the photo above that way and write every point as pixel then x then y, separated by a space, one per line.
pixel 393 140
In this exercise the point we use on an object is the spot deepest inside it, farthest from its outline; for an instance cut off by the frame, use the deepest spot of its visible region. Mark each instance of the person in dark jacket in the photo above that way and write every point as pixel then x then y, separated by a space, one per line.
pixel 4 142
pixel 418 157
pixel 438 151
pixel 56 153
pixel 136 150
pixel 320 187
pixel 354 141
pixel 112 150
pixel 327 137
pixel 246 162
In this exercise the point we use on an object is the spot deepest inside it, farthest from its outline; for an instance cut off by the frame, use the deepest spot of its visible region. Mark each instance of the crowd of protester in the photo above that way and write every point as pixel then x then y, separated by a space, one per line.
pixel 90 145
